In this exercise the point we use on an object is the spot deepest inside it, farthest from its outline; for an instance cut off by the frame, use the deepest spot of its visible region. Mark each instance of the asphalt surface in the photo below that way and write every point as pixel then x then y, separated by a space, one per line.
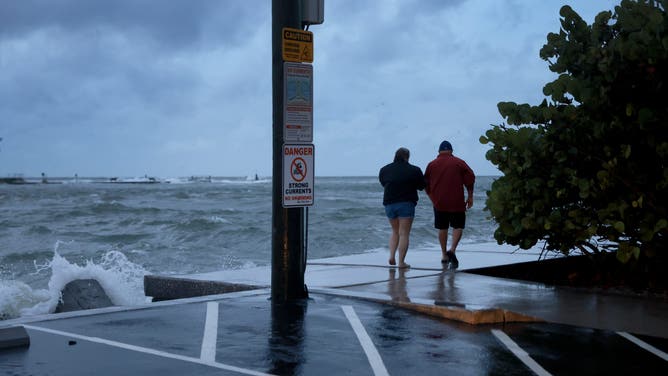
pixel 324 335
pixel 360 319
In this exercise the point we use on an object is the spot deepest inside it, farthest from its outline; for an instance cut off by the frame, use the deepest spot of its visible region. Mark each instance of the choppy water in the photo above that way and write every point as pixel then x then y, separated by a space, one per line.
pixel 51 234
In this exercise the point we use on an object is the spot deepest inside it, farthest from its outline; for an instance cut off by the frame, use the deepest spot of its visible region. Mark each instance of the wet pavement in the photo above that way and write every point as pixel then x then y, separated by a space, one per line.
pixel 397 323
pixel 569 306
pixel 248 335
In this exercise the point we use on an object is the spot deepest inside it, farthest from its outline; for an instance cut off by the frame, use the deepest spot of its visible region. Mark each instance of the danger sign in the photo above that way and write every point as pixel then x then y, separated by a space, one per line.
pixel 297 175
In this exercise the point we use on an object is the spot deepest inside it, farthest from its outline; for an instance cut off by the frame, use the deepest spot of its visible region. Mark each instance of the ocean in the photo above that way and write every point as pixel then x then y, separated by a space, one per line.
pixel 76 228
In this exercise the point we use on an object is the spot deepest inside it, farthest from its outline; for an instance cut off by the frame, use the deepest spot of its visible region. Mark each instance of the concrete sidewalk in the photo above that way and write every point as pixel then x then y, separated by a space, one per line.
pixel 466 297
pixel 578 307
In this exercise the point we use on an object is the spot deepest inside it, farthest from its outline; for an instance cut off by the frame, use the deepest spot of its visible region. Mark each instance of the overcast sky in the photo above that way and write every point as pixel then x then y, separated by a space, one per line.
pixel 183 87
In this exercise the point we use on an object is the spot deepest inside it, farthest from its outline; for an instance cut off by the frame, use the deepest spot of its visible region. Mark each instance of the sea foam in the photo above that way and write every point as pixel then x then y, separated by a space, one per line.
pixel 121 279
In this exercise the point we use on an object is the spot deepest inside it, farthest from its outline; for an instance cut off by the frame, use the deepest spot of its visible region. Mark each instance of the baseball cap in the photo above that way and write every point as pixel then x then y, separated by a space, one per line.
pixel 445 145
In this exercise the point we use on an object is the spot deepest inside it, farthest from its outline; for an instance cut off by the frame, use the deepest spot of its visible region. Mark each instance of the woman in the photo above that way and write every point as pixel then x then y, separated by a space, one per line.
pixel 401 181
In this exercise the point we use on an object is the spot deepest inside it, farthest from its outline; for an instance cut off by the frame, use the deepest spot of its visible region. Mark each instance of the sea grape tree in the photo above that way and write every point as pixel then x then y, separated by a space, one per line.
pixel 587 169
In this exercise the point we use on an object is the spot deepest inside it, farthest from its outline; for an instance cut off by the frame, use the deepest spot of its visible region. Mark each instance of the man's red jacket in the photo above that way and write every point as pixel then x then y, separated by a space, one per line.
pixel 446 176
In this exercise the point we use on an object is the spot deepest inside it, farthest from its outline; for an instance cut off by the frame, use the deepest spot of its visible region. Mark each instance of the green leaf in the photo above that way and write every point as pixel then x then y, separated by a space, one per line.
pixel 619 226
pixel 627 151
pixel 629 109
pixel 623 256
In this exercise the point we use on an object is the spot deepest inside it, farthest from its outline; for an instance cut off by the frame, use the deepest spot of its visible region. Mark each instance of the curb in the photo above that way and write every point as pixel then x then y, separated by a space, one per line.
pixel 446 310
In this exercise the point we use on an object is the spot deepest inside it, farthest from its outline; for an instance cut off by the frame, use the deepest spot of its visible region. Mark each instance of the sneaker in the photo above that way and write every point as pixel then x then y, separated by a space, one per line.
pixel 453 262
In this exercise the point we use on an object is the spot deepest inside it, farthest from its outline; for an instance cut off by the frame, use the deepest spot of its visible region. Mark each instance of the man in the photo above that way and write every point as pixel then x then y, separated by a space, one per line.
pixel 445 177
pixel 401 181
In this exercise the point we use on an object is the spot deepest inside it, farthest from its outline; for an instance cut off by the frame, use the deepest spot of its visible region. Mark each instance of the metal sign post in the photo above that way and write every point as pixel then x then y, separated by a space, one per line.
pixel 288 258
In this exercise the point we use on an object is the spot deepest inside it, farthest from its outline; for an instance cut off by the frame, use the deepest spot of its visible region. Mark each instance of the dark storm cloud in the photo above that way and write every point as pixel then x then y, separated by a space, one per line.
pixel 175 23
pixel 78 56
pixel 86 76
pixel 184 86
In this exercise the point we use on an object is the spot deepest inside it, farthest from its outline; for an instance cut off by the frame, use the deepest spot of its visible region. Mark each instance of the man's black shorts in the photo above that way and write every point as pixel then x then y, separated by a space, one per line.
pixel 444 220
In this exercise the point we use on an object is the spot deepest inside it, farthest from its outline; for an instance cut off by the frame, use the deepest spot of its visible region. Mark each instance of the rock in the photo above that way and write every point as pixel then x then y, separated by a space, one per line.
pixel 83 294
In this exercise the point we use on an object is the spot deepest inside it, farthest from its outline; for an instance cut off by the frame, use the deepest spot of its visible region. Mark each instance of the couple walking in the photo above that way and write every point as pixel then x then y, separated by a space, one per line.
pixel 444 181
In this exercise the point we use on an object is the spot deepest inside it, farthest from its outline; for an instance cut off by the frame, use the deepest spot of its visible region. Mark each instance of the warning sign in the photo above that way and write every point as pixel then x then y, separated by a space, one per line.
pixel 298 103
pixel 297 175
pixel 297 45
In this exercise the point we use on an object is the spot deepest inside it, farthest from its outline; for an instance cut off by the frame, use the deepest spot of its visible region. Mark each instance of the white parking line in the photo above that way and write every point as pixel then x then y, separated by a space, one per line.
pixel 208 353
pixel 369 349
pixel 146 350
pixel 645 345
pixel 519 353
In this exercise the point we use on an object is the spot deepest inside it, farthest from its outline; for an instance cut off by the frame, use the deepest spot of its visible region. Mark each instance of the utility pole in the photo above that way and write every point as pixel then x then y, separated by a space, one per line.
pixel 288 258
pixel 293 150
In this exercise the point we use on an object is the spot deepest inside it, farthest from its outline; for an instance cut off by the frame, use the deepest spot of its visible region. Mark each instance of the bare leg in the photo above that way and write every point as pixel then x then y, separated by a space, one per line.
pixel 394 240
pixel 456 236
pixel 443 239
pixel 405 225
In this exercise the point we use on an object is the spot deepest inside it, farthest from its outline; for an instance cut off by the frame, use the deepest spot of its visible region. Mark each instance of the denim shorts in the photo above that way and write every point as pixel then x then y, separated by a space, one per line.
pixel 404 209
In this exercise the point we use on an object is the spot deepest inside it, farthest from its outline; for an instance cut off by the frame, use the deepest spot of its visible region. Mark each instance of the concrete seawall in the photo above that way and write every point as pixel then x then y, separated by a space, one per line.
pixel 169 288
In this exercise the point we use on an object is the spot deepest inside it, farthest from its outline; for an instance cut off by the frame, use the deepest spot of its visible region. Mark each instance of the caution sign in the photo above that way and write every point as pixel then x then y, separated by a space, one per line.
pixel 297 175
pixel 297 45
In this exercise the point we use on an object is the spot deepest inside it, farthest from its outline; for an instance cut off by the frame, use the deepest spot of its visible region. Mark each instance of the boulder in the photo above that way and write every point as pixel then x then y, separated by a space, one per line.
pixel 83 294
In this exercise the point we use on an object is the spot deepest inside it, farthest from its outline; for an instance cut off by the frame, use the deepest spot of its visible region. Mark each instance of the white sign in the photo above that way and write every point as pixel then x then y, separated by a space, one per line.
pixel 297 175
pixel 298 103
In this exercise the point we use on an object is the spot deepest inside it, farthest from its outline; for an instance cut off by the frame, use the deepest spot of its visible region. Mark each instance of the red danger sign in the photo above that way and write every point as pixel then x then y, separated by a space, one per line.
pixel 298 169
pixel 297 175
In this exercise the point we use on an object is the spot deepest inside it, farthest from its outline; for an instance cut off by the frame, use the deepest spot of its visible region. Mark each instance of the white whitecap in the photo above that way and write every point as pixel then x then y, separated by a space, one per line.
pixel 121 280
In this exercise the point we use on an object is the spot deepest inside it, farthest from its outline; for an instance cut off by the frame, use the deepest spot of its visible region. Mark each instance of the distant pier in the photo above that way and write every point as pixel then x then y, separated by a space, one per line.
pixel 14 180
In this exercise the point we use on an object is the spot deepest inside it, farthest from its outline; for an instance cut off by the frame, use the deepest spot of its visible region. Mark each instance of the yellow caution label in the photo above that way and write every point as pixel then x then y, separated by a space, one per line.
pixel 297 45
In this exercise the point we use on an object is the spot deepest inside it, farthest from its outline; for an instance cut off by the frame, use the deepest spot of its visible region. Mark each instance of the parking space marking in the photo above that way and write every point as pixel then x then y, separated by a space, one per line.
pixel 149 351
pixel 369 349
pixel 645 345
pixel 519 353
pixel 208 353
